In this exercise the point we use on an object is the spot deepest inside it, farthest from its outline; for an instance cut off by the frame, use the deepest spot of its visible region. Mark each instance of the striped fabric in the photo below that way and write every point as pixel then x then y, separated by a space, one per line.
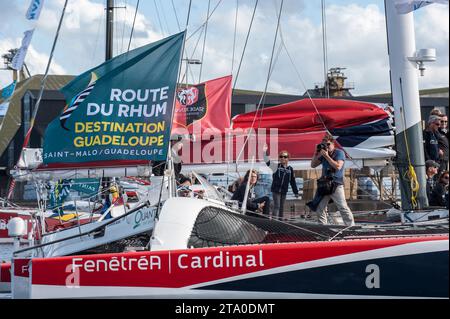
pixel 76 101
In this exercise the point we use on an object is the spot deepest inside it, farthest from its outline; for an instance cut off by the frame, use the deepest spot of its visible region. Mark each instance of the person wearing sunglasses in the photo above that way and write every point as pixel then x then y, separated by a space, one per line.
pixel 332 161
pixel 283 176
pixel 430 137
pixel 439 195
pixel 443 144
pixel 254 204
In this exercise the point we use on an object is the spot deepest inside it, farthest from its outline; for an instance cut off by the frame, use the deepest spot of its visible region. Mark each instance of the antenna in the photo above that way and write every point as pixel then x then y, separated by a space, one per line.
pixel 421 56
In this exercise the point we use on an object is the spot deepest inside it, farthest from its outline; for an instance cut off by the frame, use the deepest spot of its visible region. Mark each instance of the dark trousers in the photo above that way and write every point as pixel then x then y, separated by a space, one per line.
pixel 266 201
pixel 278 204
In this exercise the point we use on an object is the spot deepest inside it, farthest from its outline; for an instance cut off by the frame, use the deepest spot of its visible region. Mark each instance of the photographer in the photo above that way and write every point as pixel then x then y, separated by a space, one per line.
pixel 331 184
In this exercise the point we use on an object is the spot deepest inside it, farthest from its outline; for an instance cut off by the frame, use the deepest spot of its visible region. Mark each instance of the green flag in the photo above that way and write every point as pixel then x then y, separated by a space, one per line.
pixel 120 110
pixel 86 187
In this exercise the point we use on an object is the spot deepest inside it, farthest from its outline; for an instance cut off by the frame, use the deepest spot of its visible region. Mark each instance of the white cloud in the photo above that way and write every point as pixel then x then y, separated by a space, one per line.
pixel 40 61
pixel 356 40
pixel 432 31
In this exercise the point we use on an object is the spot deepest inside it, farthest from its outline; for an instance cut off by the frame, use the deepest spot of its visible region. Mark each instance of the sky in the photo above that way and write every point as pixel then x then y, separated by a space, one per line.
pixel 356 39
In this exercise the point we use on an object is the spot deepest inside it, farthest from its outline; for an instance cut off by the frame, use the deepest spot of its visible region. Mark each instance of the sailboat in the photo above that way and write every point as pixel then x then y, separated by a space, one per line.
pixel 205 248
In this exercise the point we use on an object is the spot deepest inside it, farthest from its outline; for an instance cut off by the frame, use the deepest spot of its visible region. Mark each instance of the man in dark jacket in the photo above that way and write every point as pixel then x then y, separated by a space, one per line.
pixel 283 176
pixel 430 137
pixel 443 144
pixel 431 168
pixel 439 195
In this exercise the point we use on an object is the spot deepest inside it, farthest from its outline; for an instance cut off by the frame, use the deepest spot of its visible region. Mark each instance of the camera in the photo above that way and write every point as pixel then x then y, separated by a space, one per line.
pixel 321 146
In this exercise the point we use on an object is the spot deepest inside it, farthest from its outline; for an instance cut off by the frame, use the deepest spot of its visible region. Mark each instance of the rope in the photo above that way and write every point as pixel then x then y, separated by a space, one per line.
pixel 410 174
pixel 41 91
pixel 164 16
pixel 94 52
pixel 176 16
pixel 204 44
pixel 325 48
pixel 235 33
pixel 203 24
pixel 159 18
pixel 266 85
pixel 123 26
pixel 316 108
pixel 245 46
pixel 134 22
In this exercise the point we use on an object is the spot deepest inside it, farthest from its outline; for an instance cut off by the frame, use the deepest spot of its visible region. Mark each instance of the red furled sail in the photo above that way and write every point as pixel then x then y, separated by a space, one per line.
pixel 363 130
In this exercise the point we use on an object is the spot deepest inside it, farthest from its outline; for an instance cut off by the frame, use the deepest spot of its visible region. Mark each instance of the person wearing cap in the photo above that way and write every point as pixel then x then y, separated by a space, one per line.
pixel 431 171
pixel 430 138
pixel 283 176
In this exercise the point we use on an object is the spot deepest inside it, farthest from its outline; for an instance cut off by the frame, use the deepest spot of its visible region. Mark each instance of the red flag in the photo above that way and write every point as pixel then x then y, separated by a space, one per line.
pixel 207 104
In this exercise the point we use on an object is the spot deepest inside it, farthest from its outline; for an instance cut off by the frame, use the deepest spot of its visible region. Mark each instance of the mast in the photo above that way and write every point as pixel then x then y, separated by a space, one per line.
pixel 109 29
pixel 406 102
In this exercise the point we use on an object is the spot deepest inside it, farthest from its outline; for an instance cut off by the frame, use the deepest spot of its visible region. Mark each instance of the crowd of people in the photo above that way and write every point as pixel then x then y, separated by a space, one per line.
pixel 332 161
pixel 436 156
pixel 330 186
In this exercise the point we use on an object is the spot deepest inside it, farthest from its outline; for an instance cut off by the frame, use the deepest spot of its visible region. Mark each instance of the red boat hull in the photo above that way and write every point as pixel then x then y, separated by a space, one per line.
pixel 398 268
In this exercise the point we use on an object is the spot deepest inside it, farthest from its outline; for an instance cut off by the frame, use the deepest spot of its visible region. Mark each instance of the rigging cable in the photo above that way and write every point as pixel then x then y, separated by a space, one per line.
pixel 132 27
pixel 94 52
pixel 159 18
pixel 315 106
pixel 325 49
pixel 204 44
pixel 173 114
pixel 123 27
pixel 410 174
pixel 179 29
pixel 164 16
pixel 41 91
pixel 245 46
pixel 269 73
pixel 201 26
pixel 176 16
pixel 272 63
pixel 235 33
pixel 228 138
pixel 188 69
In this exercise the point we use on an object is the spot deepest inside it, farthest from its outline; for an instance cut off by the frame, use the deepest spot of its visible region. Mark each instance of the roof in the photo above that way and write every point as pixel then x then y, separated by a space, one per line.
pixel 13 117
pixel 438 92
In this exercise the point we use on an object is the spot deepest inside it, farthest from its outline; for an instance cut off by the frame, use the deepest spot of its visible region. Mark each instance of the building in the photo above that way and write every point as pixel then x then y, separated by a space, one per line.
pixel 16 122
